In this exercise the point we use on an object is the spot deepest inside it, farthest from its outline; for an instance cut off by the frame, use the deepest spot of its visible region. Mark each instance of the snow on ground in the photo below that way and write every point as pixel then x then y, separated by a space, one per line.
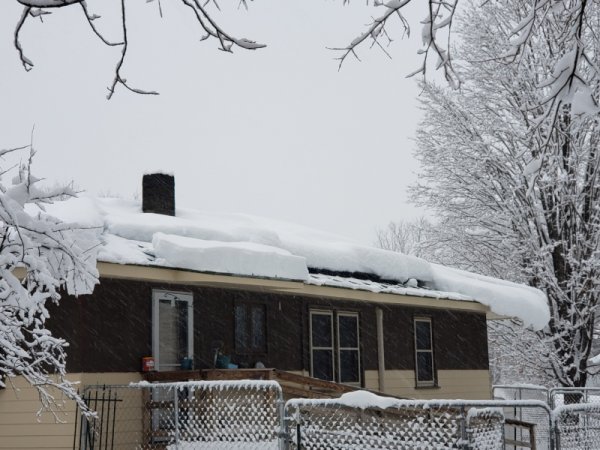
pixel 240 244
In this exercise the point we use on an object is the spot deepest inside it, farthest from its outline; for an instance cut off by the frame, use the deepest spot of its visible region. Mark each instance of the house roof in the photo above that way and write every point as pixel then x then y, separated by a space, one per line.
pixel 240 244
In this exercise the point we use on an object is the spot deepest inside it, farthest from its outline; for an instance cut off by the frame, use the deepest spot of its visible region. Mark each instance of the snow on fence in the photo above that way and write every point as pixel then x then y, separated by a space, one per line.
pixel 197 415
pixel 360 420
pixel 577 426
pixel 537 417
pixel 570 395
pixel 248 415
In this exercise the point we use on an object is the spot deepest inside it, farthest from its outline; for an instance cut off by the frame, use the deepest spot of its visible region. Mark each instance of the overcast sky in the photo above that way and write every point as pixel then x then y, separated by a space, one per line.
pixel 278 132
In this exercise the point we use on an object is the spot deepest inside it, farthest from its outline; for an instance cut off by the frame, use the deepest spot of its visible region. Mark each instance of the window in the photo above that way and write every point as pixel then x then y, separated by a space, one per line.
pixel 335 359
pixel 348 352
pixel 424 367
pixel 172 328
pixel 250 328
pixel 321 344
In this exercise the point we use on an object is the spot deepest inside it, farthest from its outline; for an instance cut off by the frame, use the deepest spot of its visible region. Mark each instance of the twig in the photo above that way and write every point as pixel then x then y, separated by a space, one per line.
pixel 118 79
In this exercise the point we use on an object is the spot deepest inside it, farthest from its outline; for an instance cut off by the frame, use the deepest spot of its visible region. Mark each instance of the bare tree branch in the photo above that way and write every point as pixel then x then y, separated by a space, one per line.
pixel 90 18
pixel 118 79
pixel 37 8
pixel 27 64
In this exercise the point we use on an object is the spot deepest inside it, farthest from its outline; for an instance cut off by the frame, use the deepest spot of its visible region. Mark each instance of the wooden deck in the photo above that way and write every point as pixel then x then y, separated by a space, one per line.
pixel 293 385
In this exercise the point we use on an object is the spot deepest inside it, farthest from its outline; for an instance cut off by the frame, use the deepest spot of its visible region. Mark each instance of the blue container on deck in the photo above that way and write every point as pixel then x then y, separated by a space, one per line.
pixel 223 361
pixel 187 364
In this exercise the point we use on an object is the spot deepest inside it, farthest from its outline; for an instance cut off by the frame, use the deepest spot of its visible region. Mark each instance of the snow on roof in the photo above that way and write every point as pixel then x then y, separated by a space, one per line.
pixel 240 244
pixel 320 279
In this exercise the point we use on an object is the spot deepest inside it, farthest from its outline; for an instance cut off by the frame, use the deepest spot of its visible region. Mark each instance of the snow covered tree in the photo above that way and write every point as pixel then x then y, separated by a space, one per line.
pixel 40 257
pixel 511 166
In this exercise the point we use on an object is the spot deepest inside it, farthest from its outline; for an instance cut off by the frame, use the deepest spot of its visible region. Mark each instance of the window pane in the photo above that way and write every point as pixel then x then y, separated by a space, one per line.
pixel 167 333
pixel 323 364
pixel 423 334
pixel 172 331
pixel 258 329
pixel 424 366
pixel 348 331
pixel 241 328
pixel 349 366
pixel 182 328
pixel 321 330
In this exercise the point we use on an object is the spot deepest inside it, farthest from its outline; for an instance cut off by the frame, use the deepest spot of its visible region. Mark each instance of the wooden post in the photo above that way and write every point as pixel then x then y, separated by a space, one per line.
pixel 380 349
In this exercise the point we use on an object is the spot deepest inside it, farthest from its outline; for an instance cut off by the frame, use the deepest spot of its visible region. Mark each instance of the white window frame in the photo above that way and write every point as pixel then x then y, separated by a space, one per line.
pixel 424 383
pixel 340 348
pixel 332 348
pixel 158 295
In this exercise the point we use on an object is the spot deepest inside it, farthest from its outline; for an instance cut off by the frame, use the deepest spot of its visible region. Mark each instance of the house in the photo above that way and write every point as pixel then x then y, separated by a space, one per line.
pixel 194 290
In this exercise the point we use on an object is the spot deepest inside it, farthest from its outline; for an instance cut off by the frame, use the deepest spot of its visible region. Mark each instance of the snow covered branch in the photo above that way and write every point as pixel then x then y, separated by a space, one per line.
pixel 40 257
pixel 440 15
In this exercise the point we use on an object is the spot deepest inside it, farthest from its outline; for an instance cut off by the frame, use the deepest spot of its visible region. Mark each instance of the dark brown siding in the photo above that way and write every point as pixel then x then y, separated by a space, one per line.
pixel 108 331
pixel 459 338
pixel 111 330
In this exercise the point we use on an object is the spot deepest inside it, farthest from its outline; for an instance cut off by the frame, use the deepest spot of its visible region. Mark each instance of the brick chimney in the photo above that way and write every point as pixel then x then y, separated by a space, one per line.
pixel 158 194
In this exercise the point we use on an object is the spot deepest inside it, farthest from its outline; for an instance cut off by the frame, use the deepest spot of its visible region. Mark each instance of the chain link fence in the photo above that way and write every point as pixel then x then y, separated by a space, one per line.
pixel 571 395
pixel 523 422
pixel 576 417
pixel 197 415
pixel 577 426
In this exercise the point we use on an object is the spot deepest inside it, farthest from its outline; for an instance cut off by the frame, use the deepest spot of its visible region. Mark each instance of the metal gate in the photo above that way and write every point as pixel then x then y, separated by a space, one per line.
pixel 97 432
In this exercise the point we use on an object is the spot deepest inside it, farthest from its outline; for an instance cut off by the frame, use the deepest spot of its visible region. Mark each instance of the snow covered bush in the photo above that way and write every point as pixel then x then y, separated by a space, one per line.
pixel 40 257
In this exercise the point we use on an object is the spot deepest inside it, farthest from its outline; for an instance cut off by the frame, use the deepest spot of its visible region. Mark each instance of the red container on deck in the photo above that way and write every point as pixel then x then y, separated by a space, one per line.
pixel 147 364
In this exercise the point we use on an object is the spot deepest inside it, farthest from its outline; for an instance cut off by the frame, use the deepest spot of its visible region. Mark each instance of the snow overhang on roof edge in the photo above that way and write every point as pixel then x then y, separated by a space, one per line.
pixel 253 246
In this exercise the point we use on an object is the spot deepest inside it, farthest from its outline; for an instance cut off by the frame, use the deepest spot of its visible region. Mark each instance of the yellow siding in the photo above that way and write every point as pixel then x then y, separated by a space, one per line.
pixel 22 428
pixel 372 380
pixel 452 384
pixel 124 378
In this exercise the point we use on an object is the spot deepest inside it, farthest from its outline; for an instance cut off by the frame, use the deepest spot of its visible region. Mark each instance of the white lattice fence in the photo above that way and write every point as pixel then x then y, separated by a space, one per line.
pixel 387 423
pixel 219 415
